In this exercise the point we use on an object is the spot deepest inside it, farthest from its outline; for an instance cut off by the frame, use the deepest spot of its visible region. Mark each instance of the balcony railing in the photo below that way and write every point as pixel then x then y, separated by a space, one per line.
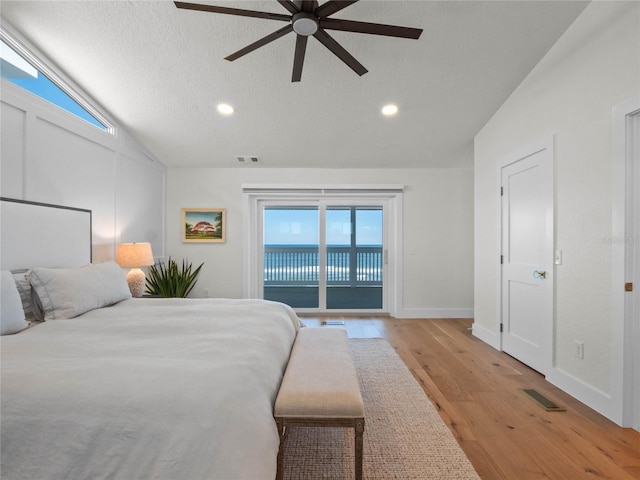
pixel 346 266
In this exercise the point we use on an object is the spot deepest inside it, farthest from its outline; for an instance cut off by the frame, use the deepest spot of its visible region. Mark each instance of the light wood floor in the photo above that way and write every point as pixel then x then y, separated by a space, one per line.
pixel 504 433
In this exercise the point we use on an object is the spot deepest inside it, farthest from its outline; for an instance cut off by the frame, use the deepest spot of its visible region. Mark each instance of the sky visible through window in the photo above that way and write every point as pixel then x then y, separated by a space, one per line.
pixel 43 87
pixel 299 226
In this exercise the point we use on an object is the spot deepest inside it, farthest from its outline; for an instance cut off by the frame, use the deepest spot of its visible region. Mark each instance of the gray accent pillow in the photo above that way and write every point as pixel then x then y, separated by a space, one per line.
pixel 24 289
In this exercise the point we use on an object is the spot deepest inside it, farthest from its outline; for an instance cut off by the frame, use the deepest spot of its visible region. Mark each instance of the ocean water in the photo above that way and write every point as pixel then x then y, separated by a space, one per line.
pixel 300 263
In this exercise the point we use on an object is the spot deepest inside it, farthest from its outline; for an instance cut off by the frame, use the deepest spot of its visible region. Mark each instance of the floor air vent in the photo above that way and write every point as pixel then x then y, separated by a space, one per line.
pixel 543 401
pixel 333 322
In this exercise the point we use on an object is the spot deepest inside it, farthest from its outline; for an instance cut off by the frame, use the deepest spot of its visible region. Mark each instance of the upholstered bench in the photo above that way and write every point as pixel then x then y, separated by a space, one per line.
pixel 320 389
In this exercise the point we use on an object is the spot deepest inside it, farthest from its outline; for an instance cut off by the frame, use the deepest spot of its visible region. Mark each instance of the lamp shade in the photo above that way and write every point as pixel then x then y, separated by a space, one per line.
pixel 134 255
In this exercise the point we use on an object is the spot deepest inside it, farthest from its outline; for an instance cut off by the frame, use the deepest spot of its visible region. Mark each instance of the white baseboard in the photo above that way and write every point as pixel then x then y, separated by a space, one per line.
pixel 596 399
pixel 486 335
pixel 435 313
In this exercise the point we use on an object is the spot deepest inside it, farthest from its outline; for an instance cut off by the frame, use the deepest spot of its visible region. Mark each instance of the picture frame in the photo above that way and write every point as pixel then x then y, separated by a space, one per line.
pixel 204 225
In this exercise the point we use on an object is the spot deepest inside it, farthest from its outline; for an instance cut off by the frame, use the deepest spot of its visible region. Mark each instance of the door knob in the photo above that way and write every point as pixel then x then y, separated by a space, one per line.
pixel 538 274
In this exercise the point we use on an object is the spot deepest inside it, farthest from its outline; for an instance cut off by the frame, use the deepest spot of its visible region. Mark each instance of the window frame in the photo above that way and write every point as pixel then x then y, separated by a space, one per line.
pixel 255 196
pixel 42 68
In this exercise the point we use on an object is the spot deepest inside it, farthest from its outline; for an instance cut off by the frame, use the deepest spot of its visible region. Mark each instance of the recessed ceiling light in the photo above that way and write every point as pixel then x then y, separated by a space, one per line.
pixel 389 110
pixel 225 109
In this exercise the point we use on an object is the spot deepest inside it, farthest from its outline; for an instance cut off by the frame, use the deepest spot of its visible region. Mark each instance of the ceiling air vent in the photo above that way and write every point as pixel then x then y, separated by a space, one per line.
pixel 246 159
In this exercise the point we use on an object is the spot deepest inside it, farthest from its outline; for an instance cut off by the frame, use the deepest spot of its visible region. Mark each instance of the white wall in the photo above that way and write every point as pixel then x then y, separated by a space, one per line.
pixel 49 155
pixel 570 94
pixel 438 210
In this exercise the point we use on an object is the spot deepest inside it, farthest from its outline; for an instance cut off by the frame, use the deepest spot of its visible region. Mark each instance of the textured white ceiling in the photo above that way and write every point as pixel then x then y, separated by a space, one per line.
pixel 160 72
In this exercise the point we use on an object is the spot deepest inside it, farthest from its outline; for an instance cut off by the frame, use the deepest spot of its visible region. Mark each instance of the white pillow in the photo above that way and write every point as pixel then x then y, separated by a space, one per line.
pixel 69 292
pixel 11 312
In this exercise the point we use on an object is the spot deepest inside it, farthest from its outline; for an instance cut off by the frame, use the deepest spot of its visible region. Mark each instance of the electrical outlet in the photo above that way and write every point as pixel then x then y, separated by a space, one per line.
pixel 580 350
pixel 206 293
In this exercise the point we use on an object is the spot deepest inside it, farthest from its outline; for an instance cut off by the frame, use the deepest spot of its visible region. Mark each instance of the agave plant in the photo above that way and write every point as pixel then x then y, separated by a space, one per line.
pixel 170 281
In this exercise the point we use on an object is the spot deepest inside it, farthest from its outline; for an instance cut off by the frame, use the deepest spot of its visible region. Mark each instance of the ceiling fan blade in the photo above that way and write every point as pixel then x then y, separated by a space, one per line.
pixel 298 59
pixel 331 7
pixel 263 41
pixel 232 11
pixel 289 5
pixel 339 51
pixel 371 28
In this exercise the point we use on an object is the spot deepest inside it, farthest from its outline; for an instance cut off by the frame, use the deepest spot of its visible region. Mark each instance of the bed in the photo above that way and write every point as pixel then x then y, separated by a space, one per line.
pixel 139 387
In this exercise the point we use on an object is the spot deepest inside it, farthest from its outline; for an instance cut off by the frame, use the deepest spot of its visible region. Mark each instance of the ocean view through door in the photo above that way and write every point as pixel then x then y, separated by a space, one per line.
pixel 291 255
pixel 325 256
pixel 354 257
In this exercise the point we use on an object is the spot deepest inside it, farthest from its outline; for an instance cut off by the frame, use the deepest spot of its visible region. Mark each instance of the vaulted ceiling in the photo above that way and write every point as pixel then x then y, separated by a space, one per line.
pixel 160 72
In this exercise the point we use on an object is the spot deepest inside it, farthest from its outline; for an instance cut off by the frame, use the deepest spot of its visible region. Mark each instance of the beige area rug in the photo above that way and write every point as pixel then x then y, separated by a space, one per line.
pixel 404 437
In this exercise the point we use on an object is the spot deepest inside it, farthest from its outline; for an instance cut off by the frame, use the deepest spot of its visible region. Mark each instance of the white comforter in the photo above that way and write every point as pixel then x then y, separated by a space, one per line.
pixel 147 389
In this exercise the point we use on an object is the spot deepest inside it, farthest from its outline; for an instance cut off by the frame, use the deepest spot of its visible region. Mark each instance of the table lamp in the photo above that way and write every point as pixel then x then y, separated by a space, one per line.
pixel 135 255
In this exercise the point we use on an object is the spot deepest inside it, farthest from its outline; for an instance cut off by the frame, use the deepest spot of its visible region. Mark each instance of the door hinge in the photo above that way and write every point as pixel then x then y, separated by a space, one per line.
pixel 628 287
pixel 501 327
pixel 501 259
pixel 501 191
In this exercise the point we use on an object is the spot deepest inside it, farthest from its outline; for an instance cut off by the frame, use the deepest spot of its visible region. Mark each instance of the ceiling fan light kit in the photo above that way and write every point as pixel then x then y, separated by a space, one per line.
pixel 308 18
pixel 304 23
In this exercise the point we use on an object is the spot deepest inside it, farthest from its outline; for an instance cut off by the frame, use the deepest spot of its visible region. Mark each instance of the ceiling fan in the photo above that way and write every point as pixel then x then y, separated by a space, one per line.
pixel 308 18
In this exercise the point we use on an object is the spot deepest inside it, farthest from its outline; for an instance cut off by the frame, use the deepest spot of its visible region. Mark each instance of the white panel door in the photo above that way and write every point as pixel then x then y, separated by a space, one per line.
pixel 527 259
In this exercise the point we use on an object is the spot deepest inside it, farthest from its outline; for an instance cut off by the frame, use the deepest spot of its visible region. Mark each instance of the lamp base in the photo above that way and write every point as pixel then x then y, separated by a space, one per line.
pixel 135 280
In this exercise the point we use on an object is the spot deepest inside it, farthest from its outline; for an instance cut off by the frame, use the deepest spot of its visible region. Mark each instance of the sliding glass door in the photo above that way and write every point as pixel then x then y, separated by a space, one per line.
pixel 291 255
pixel 354 257
pixel 324 256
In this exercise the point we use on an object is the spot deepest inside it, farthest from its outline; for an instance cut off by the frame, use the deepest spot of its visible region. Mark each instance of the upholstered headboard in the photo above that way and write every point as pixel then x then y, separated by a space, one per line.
pixel 34 234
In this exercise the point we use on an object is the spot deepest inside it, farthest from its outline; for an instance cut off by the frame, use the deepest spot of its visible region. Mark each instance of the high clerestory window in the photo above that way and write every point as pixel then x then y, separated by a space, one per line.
pixel 20 67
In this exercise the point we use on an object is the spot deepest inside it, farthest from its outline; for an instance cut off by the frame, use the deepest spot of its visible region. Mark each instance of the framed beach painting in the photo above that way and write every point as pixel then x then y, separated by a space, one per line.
pixel 203 225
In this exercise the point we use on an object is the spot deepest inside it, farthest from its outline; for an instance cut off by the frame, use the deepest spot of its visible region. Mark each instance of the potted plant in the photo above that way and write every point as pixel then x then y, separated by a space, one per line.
pixel 171 281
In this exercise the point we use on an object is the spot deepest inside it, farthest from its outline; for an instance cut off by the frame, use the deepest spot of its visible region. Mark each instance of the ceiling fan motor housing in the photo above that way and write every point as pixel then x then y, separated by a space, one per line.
pixel 304 23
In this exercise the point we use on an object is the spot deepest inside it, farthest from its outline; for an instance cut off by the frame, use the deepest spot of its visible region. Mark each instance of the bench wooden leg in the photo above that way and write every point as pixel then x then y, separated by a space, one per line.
pixel 357 424
pixel 359 430
pixel 281 433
